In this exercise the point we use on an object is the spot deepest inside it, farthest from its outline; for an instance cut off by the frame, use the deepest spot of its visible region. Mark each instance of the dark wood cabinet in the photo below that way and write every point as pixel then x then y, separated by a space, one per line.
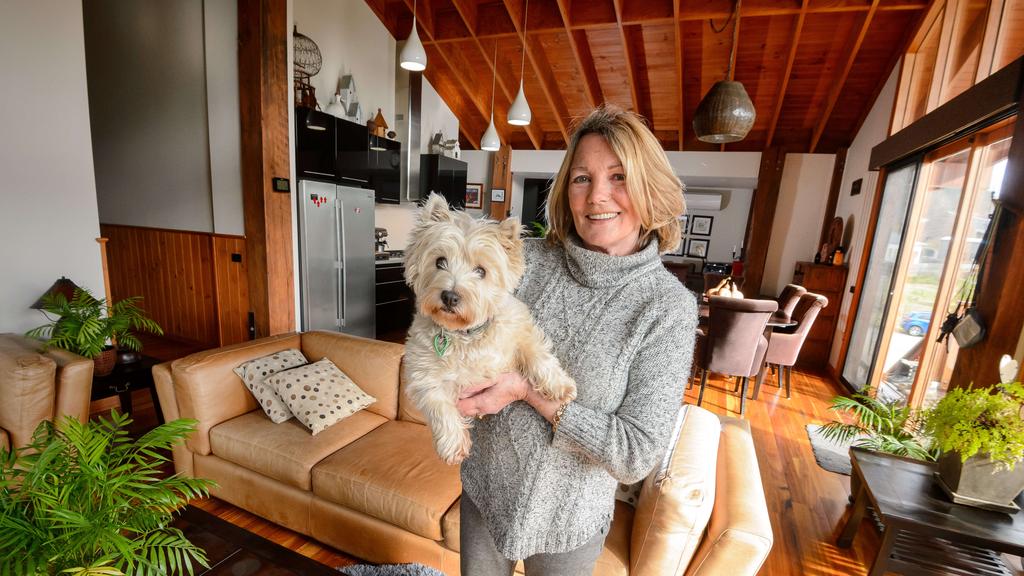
pixel 315 145
pixel 395 302
pixel 830 282
pixel 444 175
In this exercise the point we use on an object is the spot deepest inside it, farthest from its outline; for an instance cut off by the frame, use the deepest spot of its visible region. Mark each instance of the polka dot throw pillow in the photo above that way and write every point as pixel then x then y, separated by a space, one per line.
pixel 319 394
pixel 254 373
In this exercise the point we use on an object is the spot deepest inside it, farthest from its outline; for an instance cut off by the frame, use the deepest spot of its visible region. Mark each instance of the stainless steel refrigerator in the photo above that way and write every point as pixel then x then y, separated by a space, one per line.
pixel 336 264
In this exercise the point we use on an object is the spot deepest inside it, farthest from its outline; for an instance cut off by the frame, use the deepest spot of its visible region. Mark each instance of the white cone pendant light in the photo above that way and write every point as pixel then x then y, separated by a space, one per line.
pixel 413 57
pixel 519 113
pixel 490 141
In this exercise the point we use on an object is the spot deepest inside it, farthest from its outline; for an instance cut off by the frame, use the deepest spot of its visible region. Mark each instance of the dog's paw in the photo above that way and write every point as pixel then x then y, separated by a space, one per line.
pixel 454 450
pixel 561 391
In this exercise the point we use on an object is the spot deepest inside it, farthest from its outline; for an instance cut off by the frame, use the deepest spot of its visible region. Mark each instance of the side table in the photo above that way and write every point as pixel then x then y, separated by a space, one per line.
pixel 924 533
pixel 126 378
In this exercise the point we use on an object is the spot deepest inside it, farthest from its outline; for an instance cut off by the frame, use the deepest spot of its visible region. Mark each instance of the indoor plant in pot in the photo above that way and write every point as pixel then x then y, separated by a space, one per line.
pixel 88 499
pixel 85 325
pixel 980 432
pixel 880 426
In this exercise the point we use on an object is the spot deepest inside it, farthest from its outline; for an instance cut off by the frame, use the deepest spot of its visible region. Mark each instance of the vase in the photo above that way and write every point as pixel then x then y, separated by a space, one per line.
pixel 104 363
pixel 979 482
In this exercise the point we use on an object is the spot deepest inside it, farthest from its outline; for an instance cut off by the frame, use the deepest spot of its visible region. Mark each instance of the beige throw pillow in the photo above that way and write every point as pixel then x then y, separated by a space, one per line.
pixel 319 394
pixel 254 373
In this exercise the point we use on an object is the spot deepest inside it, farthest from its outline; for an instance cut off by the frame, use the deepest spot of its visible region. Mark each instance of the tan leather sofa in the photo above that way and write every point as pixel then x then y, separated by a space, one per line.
pixel 373 487
pixel 37 385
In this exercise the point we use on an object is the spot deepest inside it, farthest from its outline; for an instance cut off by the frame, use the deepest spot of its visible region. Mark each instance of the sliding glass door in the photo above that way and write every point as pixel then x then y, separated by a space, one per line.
pixel 920 268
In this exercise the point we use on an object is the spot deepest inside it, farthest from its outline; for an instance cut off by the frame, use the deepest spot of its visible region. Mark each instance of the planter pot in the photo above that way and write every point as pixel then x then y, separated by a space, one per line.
pixel 979 480
pixel 104 363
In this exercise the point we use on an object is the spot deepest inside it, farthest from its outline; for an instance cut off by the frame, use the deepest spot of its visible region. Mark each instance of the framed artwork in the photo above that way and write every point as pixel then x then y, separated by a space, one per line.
pixel 697 247
pixel 684 224
pixel 474 193
pixel 497 195
pixel 701 225
pixel 855 187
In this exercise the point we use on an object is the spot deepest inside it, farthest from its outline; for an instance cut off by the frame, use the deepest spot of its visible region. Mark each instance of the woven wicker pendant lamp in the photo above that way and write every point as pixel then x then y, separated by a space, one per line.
pixel 726 113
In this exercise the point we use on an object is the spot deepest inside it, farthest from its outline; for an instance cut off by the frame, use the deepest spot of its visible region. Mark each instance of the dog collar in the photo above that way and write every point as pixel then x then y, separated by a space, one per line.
pixel 443 340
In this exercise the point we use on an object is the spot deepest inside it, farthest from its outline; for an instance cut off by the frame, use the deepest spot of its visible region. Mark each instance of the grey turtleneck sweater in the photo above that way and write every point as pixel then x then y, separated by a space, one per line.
pixel 623 328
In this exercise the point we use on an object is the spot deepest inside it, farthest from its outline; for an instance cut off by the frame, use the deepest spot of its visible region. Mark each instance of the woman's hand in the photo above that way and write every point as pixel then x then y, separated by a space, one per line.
pixel 492 396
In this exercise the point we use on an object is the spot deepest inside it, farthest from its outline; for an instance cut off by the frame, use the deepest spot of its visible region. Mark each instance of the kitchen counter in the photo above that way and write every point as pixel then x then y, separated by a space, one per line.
pixel 390 262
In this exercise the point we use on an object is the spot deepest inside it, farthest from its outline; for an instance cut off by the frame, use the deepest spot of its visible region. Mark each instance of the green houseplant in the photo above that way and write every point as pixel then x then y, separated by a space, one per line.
pixel 980 432
pixel 85 324
pixel 878 425
pixel 87 499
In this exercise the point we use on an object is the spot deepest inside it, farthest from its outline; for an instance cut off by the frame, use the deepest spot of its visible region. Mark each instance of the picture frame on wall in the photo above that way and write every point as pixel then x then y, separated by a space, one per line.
pixel 474 195
pixel 697 248
pixel 497 195
pixel 684 224
pixel 701 225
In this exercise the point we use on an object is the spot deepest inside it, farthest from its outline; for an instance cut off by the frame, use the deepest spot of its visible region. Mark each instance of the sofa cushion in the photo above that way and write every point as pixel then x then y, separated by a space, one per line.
pixel 27 390
pixel 286 451
pixel 255 372
pixel 319 394
pixel 678 496
pixel 372 364
pixel 392 474
pixel 5 442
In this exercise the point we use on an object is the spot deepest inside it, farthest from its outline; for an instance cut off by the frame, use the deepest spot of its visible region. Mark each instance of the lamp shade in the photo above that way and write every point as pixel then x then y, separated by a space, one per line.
pixel 490 141
pixel 61 286
pixel 413 57
pixel 726 114
pixel 519 113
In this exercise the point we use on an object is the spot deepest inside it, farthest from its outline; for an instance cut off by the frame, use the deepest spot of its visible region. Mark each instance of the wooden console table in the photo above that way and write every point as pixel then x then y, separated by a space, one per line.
pixel 924 533
pixel 124 379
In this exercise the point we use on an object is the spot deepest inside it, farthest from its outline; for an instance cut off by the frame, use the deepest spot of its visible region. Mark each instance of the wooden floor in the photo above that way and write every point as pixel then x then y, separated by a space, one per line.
pixel 806 503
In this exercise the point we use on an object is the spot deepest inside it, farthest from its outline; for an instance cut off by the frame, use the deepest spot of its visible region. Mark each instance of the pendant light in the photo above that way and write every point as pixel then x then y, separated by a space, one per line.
pixel 726 113
pixel 490 141
pixel 519 113
pixel 413 57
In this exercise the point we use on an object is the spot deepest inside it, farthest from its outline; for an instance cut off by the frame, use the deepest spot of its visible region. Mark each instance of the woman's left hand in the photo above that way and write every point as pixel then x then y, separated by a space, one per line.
pixel 492 396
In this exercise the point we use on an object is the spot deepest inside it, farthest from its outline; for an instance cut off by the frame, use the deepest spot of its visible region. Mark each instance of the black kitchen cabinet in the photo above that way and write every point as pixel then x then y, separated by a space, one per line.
pixel 395 302
pixel 353 156
pixel 315 145
pixel 385 162
pixel 444 175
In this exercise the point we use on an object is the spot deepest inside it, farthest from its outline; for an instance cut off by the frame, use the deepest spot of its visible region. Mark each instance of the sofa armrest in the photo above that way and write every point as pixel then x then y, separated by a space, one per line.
pixel 739 534
pixel 73 383
pixel 164 384
pixel 208 390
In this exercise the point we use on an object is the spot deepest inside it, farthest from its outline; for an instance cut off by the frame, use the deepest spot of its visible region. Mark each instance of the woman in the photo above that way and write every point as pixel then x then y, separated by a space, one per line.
pixel 539 483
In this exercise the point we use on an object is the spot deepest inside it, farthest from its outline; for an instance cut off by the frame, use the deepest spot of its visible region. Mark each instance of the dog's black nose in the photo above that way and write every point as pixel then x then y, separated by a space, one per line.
pixel 450 298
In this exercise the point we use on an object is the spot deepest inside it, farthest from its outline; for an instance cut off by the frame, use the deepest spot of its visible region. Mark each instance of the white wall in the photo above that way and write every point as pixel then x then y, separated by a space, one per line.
pixel 479 172
pixel 435 116
pixel 352 41
pixel 729 225
pixel 48 214
pixel 220 21
pixel 803 194
pixel 856 210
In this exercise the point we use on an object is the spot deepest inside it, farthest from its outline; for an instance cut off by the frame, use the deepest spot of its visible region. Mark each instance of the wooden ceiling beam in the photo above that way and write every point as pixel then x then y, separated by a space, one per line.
pixel 634 84
pixel 584 59
pixel 837 87
pixel 548 84
pixel 679 70
pixel 797 29
pixel 466 13
pixel 472 96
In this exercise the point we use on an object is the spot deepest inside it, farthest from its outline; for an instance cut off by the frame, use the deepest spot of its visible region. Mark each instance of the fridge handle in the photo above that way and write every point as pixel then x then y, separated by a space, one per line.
pixel 339 238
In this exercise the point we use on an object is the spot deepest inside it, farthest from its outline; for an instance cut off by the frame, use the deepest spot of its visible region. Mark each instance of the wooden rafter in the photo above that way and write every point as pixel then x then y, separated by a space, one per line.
pixel 543 74
pixel 679 69
pixel 634 84
pixel 473 95
pixel 786 75
pixel 581 51
pixel 467 12
pixel 837 87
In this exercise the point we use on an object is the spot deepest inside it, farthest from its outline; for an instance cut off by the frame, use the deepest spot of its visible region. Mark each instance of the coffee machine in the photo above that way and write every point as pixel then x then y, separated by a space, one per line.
pixel 380 242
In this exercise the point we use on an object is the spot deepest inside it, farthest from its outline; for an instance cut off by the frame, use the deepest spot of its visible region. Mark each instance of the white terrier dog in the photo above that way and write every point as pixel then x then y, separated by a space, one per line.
pixel 468 326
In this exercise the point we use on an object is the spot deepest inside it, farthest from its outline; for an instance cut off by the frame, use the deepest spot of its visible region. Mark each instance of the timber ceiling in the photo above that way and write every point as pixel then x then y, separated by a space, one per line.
pixel 812 67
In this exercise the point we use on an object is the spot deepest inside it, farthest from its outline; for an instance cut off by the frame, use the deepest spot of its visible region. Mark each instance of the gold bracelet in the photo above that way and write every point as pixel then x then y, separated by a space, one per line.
pixel 557 418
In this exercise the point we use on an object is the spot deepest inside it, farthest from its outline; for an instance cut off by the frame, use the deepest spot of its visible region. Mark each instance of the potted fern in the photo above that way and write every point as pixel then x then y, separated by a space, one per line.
pixel 85 325
pixel 980 432
pixel 86 499
pixel 880 426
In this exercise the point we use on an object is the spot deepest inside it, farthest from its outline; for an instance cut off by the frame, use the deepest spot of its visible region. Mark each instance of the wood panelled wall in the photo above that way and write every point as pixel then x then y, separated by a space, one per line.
pixel 188 281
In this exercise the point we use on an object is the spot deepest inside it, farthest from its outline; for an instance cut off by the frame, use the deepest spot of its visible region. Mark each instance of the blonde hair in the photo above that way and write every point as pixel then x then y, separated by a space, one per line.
pixel 653 188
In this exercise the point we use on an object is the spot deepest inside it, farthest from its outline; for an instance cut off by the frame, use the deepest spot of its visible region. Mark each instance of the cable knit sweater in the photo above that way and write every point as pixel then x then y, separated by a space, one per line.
pixel 623 328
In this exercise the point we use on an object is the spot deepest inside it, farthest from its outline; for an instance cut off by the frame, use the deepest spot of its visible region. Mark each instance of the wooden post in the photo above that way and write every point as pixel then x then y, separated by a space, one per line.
pixel 501 179
pixel 762 216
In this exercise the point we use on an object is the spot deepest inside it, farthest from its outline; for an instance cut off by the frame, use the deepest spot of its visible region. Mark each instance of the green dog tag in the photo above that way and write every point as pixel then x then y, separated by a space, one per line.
pixel 441 343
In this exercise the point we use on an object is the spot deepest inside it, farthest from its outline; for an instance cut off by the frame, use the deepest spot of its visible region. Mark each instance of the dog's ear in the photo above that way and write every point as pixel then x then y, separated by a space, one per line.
pixel 511 236
pixel 435 209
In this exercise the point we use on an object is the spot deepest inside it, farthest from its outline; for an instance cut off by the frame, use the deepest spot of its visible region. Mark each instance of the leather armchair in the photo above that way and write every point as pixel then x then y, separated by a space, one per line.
pixel 39 385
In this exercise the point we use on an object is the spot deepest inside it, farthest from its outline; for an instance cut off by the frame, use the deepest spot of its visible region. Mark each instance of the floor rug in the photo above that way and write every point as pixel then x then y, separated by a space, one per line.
pixel 234 551
pixel 832 456
pixel 390 570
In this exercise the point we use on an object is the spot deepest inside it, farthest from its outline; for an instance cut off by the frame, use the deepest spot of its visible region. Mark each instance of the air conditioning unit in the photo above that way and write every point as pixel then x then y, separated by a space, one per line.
pixel 706 201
